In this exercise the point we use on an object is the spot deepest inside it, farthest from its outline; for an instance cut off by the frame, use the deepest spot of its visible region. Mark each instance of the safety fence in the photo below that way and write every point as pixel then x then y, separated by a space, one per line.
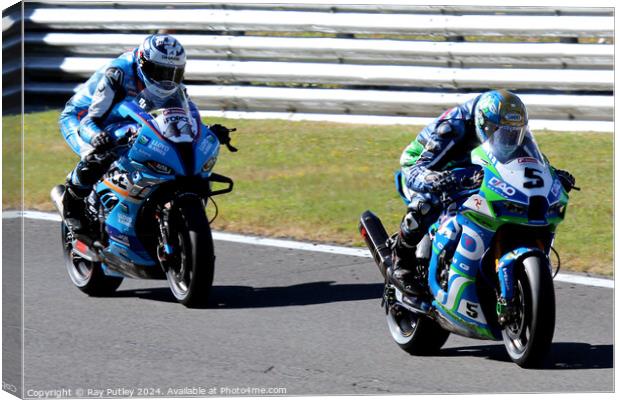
pixel 394 63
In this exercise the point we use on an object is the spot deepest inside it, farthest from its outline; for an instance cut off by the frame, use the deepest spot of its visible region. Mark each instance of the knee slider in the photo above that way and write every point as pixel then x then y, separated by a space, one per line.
pixel 420 206
pixel 410 222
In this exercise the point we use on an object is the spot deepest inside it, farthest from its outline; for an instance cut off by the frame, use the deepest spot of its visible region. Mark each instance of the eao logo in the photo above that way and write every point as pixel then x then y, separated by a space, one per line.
pixel 503 186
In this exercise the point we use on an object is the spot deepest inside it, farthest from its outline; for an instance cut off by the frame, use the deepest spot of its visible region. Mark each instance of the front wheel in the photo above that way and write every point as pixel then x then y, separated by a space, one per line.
pixel 528 336
pixel 190 270
pixel 86 275
pixel 415 333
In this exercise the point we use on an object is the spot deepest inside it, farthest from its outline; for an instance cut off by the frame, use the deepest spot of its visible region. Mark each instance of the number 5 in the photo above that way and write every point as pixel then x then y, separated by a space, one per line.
pixel 538 181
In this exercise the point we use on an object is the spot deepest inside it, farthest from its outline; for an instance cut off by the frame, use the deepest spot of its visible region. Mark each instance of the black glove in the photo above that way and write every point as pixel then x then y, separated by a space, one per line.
pixel 441 182
pixel 102 142
pixel 223 135
pixel 474 181
pixel 566 179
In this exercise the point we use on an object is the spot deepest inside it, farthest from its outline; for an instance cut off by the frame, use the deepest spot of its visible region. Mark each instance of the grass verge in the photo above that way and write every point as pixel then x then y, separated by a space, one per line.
pixel 312 180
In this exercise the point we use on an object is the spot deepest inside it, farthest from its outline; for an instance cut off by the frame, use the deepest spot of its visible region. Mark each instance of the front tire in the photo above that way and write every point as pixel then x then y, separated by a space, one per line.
pixel 190 274
pixel 86 275
pixel 528 338
pixel 415 333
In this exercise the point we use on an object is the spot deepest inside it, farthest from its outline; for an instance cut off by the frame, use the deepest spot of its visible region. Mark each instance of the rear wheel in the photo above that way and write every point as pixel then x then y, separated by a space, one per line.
pixel 415 333
pixel 86 275
pixel 528 337
pixel 190 269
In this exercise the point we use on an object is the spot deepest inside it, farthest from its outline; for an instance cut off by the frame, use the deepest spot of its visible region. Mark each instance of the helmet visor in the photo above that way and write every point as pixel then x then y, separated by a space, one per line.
pixel 506 140
pixel 160 73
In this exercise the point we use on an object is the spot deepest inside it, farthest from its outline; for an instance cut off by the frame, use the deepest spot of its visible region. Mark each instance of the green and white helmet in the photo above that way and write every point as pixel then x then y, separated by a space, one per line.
pixel 501 117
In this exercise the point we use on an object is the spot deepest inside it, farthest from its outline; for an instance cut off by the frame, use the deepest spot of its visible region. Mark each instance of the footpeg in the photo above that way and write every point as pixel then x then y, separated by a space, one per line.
pixel 389 296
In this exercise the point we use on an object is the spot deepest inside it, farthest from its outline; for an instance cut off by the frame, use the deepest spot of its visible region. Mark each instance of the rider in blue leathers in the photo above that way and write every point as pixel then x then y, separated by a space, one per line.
pixel 427 165
pixel 86 115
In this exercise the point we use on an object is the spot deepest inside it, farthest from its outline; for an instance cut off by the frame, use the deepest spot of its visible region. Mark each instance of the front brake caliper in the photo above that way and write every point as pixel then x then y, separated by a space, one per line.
pixel 505 312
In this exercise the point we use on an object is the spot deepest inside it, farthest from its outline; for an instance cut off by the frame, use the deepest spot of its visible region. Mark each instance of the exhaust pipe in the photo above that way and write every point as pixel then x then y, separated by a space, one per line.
pixel 56 194
pixel 376 238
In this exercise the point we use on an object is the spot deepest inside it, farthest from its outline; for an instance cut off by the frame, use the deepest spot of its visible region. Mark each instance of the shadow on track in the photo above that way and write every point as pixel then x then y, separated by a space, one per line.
pixel 563 356
pixel 277 296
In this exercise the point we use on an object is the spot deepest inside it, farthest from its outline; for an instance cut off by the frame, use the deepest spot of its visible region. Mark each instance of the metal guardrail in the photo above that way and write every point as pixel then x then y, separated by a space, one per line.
pixel 361 75
pixel 345 51
pixel 381 62
pixel 559 8
pixel 365 102
pixel 294 21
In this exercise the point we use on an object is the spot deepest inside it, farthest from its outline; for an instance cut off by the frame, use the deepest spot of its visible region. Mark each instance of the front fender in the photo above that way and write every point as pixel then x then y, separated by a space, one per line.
pixel 505 267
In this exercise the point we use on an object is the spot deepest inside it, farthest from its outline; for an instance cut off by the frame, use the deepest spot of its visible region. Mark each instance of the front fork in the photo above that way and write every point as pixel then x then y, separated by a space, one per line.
pixel 506 308
pixel 165 249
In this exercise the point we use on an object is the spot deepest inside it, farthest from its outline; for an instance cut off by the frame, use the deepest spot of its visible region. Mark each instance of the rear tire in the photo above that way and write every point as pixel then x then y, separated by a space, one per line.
pixel 86 275
pixel 190 276
pixel 528 338
pixel 415 333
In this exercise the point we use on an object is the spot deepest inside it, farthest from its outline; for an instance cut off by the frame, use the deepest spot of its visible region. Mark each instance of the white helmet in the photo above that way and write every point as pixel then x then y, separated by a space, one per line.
pixel 161 58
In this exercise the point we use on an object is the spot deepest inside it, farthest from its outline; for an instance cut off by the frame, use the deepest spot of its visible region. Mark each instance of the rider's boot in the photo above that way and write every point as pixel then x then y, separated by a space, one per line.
pixel 74 208
pixel 402 273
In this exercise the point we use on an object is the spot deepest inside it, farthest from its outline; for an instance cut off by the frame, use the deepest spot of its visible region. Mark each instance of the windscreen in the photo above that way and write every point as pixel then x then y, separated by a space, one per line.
pixel 167 104
pixel 508 143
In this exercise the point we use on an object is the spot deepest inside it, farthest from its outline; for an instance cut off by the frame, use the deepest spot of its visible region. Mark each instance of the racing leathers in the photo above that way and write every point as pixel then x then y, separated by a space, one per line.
pixel 83 125
pixel 427 166
pixel 444 144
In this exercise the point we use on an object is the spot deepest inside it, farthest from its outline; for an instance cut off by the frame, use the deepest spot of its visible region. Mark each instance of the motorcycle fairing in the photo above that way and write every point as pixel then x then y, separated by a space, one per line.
pixel 459 304
pixel 468 235
pixel 130 181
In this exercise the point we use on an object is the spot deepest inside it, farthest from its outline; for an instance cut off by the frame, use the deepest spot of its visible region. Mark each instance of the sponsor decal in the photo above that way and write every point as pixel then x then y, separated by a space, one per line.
pixel 468 243
pixel 464 267
pixel 513 117
pixel 124 219
pixel 143 140
pixel 477 203
pixel 471 245
pixel 124 239
pixel 491 156
pixel 524 160
pixel 159 147
pixel 174 110
pixel 502 186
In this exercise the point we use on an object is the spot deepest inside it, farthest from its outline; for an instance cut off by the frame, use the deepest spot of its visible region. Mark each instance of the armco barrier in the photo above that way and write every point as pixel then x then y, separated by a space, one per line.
pixel 324 58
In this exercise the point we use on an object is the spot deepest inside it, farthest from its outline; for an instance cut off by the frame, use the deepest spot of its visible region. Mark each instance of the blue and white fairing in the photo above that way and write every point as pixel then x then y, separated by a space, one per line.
pixel 170 144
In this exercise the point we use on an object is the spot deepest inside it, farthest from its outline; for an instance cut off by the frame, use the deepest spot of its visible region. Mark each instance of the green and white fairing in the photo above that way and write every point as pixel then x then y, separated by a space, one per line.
pixel 515 212
pixel 521 188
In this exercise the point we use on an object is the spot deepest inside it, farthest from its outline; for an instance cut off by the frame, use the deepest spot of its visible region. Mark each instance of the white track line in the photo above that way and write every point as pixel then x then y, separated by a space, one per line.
pixel 321 248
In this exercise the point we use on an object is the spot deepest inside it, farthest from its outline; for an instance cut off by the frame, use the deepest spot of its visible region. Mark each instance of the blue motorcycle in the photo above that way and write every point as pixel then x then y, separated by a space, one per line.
pixel 149 208
pixel 485 262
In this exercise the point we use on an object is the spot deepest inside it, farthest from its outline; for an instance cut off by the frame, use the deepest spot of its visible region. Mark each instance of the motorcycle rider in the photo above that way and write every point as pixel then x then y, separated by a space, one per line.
pixel 427 165
pixel 159 58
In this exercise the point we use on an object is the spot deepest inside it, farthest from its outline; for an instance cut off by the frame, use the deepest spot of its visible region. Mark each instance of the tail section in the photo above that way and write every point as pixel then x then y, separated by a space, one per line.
pixel 376 238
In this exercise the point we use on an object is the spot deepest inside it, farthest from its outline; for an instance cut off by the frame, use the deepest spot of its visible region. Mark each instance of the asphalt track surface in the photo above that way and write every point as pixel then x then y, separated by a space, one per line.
pixel 308 322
